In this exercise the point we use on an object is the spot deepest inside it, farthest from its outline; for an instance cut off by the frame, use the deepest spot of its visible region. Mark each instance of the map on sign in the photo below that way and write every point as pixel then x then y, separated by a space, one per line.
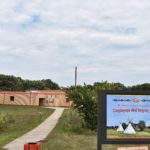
pixel 128 116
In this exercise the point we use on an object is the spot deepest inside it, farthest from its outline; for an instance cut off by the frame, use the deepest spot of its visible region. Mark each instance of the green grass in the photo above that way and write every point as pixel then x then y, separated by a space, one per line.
pixel 60 139
pixel 26 118
pixel 139 134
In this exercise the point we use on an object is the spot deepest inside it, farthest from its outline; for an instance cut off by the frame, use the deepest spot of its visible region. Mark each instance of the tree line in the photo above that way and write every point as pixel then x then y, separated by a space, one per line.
pixel 12 83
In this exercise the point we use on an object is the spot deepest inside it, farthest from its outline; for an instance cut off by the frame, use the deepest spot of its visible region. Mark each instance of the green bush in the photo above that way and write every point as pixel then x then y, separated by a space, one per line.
pixel 85 100
pixel 88 108
pixel 73 121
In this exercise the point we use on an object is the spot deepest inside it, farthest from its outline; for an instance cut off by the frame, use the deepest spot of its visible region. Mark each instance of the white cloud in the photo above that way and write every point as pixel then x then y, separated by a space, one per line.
pixel 107 40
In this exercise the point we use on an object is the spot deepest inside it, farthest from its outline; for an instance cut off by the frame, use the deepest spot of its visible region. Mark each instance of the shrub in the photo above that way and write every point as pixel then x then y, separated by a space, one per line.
pixel 73 121
pixel 89 109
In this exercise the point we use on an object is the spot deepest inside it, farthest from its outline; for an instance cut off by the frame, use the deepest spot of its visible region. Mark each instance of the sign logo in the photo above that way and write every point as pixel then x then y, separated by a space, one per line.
pixel 135 100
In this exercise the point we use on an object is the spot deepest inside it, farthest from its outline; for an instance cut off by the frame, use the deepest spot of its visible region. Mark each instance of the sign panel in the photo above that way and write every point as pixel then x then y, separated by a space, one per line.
pixel 128 116
pixel 124 118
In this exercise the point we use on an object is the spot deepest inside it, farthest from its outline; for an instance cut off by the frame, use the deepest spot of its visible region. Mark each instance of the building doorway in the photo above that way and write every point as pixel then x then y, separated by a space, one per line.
pixel 41 101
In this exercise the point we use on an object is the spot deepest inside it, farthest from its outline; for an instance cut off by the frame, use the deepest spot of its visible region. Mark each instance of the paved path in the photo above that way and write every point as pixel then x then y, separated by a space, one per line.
pixel 38 133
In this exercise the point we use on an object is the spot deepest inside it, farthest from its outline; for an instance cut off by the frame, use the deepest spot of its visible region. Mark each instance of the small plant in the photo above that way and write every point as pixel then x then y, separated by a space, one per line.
pixel 9 118
pixel 40 114
pixel 5 120
pixel 3 123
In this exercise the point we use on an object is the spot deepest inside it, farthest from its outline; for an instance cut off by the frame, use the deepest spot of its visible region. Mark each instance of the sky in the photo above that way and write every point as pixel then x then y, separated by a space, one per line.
pixel 106 40
pixel 137 111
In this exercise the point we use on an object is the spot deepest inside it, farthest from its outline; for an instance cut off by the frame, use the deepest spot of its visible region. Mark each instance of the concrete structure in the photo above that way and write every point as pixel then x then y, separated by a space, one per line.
pixel 50 98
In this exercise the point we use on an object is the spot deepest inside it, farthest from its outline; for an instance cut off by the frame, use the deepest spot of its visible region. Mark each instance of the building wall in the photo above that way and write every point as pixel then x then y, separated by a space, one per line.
pixel 59 100
pixel 54 100
pixel 34 99
pixel 19 99
pixel 2 98
pixel 49 99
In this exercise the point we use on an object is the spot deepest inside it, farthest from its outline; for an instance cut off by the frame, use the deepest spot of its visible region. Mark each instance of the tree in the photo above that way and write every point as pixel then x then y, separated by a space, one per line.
pixel 141 125
pixel 50 85
pixel 85 100
pixel 33 85
pixel 12 83
pixel 105 85
pixel 145 86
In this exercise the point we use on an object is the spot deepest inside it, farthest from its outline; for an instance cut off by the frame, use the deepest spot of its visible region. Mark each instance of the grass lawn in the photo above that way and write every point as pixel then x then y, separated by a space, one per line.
pixel 139 134
pixel 26 118
pixel 62 140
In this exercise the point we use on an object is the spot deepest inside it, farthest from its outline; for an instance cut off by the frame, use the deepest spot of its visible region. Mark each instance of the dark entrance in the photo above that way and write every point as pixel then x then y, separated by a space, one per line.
pixel 41 101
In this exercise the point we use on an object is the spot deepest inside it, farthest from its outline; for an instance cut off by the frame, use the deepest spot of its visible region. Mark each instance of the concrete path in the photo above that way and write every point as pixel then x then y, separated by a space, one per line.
pixel 38 133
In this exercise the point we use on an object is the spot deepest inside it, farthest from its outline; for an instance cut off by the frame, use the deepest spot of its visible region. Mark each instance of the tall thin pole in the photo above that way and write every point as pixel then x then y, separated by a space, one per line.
pixel 75 76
